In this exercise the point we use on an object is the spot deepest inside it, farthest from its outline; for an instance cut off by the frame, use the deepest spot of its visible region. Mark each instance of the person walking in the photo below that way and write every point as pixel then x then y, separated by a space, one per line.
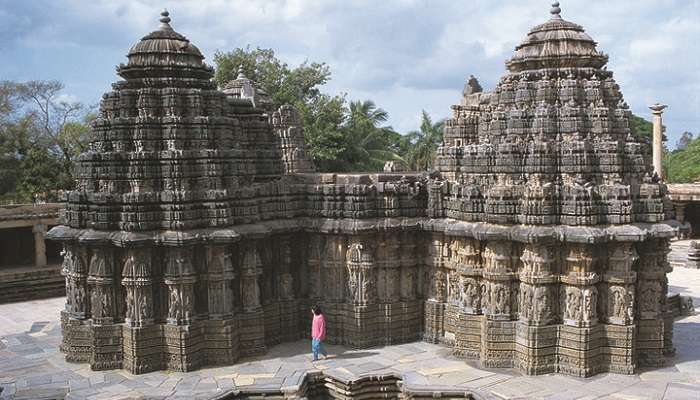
pixel 318 333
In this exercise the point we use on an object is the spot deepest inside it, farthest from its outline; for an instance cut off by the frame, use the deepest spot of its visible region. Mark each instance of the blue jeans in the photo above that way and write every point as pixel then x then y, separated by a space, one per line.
pixel 317 347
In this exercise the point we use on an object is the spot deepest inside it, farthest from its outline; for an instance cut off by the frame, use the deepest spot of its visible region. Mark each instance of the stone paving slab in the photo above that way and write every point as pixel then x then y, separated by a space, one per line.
pixel 31 367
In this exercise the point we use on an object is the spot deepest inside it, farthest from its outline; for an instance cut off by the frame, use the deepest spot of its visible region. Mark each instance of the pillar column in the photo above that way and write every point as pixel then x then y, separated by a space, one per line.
pixel 39 245
pixel 657 149
pixel 680 211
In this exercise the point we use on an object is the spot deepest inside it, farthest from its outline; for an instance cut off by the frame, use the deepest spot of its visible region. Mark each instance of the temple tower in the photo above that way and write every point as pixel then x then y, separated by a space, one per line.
pixel 573 274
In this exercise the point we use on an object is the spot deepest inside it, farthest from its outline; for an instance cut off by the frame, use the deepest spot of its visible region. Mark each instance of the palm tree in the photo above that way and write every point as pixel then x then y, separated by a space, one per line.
pixel 424 143
pixel 367 143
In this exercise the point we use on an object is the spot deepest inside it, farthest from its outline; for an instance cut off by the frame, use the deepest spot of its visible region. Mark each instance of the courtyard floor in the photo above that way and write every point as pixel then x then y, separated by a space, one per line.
pixel 31 366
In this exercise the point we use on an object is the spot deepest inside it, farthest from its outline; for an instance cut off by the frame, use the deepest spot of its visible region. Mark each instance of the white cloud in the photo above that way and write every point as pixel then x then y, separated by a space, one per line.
pixel 406 55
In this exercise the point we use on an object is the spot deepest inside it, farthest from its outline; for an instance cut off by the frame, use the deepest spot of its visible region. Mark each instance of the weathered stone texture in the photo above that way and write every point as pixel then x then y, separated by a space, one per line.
pixel 198 235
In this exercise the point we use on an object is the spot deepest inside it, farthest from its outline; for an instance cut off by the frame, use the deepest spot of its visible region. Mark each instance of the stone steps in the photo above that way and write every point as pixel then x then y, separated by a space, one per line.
pixel 31 282
pixel 330 385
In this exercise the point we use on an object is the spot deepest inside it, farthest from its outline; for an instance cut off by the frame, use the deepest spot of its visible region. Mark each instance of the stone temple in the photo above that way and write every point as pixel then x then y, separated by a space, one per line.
pixel 199 234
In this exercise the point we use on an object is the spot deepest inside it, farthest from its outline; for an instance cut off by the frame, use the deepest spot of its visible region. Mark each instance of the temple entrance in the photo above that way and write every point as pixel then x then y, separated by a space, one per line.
pixel 692 216
pixel 16 246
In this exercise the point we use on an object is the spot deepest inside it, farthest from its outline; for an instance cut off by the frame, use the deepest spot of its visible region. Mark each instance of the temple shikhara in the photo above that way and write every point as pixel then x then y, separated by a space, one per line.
pixel 199 233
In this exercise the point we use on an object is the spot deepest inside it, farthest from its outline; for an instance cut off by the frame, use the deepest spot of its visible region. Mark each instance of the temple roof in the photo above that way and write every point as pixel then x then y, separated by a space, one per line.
pixel 162 48
pixel 556 43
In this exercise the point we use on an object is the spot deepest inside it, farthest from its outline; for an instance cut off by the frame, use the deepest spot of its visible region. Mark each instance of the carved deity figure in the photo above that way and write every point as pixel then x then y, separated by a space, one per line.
pixel 175 309
pixel 130 304
pixel 526 302
pixel 501 302
pixel 79 299
pixel 649 297
pixel 470 294
pixel 453 288
pixel 590 297
pixel 286 288
pixel 618 303
pixel 573 304
pixel 542 305
pixel 439 286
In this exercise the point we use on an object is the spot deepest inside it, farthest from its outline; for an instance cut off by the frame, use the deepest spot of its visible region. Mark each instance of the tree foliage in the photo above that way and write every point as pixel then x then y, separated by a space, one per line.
pixel 641 128
pixel 683 165
pixel 423 143
pixel 41 134
pixel 286 85
pixel 341 135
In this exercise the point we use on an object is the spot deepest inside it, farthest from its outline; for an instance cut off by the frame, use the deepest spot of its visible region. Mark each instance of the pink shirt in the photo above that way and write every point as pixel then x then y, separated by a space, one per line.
pixel 318 327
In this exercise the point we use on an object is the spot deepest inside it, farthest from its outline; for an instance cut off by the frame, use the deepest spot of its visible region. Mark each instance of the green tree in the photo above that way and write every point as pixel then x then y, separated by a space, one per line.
pixel 286 85
pixel 323 119
pixel 368 144
pixel 683 165
pixel 424 143
pixel 641 128
pixel 340 136
pixel 40 136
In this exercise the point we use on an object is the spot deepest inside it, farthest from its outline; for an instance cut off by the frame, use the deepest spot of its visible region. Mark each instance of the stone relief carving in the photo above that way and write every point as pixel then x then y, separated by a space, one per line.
pixel 470 294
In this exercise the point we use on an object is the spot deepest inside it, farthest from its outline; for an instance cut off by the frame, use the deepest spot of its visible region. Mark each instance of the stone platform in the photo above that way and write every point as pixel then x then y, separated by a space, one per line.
pixel 28 282
pixel 31 367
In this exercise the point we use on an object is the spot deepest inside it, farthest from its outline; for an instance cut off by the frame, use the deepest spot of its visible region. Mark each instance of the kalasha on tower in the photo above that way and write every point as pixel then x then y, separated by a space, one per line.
pixel 198 232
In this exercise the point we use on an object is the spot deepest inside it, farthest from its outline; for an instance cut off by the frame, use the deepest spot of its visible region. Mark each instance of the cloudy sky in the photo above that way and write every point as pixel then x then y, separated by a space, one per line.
pixel 406 55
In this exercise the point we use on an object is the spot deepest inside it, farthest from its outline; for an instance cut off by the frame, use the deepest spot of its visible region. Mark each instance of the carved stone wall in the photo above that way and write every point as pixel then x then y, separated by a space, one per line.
pixel 194 239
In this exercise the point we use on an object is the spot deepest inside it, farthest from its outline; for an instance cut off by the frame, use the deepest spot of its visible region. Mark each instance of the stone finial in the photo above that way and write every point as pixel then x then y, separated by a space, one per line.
pixel 165 19
pixel 657 108
pixel 555 11
pixel 241 75
pixel 472 86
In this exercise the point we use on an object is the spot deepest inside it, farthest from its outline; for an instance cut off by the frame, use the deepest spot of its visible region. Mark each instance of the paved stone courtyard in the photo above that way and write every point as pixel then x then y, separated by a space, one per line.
pixel 31 366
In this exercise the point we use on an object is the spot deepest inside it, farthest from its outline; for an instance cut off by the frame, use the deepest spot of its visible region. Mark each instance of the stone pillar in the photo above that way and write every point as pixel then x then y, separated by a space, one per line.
pixel 39 245
pixel 680 211
pixel 656 111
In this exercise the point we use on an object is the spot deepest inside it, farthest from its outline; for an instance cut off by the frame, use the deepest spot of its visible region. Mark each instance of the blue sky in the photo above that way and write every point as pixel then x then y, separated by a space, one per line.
pixel 406 55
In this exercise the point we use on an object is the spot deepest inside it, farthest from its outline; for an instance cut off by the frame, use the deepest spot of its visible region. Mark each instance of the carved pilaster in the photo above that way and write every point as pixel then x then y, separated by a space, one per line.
pixel 101 281
pixel 537 300
pixel 180 276
pixel 220 276
pixel 75 270
pixel 251 269
pixel 314 262
pixel 333 269
pixel 285 281
pixel 579 295
pixel 138 282
pixel 499 292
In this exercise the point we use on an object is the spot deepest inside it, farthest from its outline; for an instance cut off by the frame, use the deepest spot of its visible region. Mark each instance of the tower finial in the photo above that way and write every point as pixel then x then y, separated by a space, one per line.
pixel 165 19
pixel 555 11
pixel 241 75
